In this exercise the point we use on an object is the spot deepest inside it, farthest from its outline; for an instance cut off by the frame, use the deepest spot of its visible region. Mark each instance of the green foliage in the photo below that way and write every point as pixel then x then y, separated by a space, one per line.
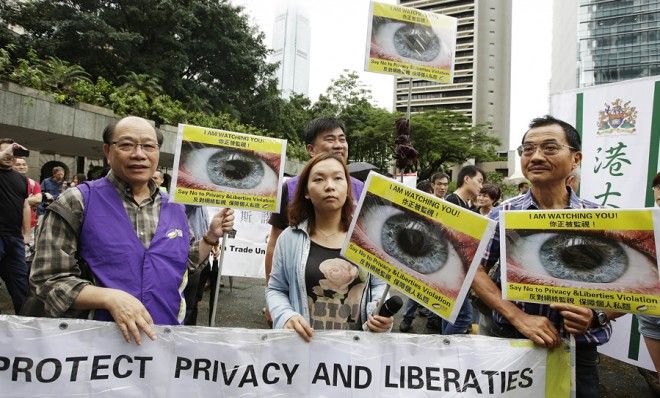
pixel 59 75
pixel 5 62
pixel 139 95
pixel 141 83
pixel 203 53
pixel 26 71
pixel 444 138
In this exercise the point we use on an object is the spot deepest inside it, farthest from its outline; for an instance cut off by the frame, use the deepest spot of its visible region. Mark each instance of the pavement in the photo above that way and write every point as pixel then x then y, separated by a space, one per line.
pixel 242 304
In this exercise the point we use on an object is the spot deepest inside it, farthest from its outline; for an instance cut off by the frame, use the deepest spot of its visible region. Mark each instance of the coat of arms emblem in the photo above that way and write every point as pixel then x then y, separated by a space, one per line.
pixel 617 118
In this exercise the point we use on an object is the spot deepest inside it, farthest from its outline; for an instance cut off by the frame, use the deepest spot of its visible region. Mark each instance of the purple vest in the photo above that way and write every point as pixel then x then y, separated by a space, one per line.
pixel 119 260
pixel 292 185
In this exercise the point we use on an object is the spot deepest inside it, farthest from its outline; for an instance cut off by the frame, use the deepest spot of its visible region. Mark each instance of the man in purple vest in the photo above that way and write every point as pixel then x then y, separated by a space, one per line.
pixel 323 134
pixel 117 246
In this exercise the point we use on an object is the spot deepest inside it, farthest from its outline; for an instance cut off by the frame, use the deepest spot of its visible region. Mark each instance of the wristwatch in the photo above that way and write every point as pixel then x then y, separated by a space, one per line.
pixel 600 318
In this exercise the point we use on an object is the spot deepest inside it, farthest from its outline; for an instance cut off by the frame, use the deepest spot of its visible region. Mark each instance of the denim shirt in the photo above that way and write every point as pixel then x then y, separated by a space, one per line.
pixel 286 293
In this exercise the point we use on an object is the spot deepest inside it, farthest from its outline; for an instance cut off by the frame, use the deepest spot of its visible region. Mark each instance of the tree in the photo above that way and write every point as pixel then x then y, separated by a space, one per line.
pixel 369 130
pixel 444 138
pixel 147 84
pixel 195 48
pixel 61 75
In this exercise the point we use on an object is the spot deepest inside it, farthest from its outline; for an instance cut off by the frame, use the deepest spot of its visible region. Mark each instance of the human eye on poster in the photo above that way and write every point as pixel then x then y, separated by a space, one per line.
pixel 408 42
pixel 226 169
pixel 605 259
pixel 425 247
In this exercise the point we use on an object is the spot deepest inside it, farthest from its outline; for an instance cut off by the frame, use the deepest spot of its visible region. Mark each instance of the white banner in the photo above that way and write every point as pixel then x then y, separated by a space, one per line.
pixel 615 144
pixel 67 358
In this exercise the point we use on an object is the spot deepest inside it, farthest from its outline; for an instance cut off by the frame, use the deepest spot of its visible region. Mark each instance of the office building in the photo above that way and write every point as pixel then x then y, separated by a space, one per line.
pixel 291 43
pixel 482 72
pixel 597 42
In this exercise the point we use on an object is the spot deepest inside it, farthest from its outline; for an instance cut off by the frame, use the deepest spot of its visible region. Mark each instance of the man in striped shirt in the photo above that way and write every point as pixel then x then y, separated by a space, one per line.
pixel 550 150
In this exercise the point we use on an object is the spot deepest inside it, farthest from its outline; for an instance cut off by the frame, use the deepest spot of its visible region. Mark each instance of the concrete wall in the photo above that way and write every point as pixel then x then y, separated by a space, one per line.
pixel 60 132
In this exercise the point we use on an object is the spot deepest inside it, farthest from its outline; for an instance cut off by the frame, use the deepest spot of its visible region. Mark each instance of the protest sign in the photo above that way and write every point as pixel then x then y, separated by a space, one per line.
pixel 600 258
pixel 424 246
pixel 72 358
pixel 246 249
pixel 226 169
pixel 408 42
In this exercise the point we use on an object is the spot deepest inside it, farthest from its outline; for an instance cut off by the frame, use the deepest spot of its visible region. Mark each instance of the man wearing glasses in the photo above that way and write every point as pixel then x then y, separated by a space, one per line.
pixel 550 150
pixel 117 246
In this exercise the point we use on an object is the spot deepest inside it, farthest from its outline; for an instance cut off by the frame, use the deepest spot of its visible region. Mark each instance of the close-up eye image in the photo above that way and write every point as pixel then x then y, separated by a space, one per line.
pixel 416 245
pixel 409 42
pixel 214 168
pixel 623 261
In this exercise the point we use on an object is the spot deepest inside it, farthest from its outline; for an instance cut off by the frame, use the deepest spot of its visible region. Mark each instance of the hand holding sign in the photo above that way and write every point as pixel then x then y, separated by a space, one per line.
pixel 300 325
pixel 222 222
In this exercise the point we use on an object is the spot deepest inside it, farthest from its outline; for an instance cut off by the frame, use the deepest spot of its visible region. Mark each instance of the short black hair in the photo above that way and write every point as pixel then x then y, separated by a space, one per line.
pixel 468 171
pixel 522 184
pixel 656 180
pixel 492 191
pixel 438 176
pixel 425 186
pixel 321 125
pixel 571 134
pixel 109 130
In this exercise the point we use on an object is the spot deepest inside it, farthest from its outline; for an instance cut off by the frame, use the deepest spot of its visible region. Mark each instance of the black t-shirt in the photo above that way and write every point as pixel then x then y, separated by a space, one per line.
pixel 13 192
pixel 334 290
pixel 455 199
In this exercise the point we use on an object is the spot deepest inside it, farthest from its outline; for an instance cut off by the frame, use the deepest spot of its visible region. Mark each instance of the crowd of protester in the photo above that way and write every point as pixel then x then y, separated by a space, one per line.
pixel 53 264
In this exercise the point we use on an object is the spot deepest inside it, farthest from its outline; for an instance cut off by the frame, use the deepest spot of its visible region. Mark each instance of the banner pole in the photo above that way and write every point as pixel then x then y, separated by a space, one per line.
pixel 409 98
pixel 217 281
pixel 410 84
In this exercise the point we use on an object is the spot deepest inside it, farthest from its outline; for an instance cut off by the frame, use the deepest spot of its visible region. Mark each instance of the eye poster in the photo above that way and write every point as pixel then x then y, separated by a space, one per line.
pixel 408 42
pixel 226 169
pixel 604 259
pixel 426 247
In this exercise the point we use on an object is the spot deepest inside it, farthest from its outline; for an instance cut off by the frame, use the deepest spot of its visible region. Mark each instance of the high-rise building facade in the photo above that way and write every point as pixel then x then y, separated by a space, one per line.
pixel 291 43
pixel 482 71
pixel 604 41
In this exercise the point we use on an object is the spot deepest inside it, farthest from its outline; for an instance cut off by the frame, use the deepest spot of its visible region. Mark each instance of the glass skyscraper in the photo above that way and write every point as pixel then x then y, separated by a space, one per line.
pixel 617 40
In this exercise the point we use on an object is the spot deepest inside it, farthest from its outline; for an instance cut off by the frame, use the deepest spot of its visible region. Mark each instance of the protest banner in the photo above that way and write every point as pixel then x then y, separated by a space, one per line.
pixel 620 133
pixel 72 358
pixel 426 247
pixel 226 169
pixel 408 42
pixel 246 249
pixel 603 259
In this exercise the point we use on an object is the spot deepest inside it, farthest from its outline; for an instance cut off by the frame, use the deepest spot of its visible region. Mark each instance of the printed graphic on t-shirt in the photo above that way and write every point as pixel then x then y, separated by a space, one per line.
pixel 334 291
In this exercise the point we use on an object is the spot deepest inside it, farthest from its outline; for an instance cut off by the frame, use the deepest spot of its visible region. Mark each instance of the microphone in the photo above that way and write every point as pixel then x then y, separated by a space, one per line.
pixel 390 307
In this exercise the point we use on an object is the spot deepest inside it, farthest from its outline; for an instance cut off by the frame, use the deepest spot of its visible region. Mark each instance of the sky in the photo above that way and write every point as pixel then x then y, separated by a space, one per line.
pixel 339 36
pixel 338 42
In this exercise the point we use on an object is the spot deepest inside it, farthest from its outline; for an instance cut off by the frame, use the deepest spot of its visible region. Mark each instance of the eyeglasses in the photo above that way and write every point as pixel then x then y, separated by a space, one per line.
pixel 128 146
pixel 548 148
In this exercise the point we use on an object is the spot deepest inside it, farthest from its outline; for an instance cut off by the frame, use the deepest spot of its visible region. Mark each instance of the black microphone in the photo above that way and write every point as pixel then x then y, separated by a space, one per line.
pixel 390 307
